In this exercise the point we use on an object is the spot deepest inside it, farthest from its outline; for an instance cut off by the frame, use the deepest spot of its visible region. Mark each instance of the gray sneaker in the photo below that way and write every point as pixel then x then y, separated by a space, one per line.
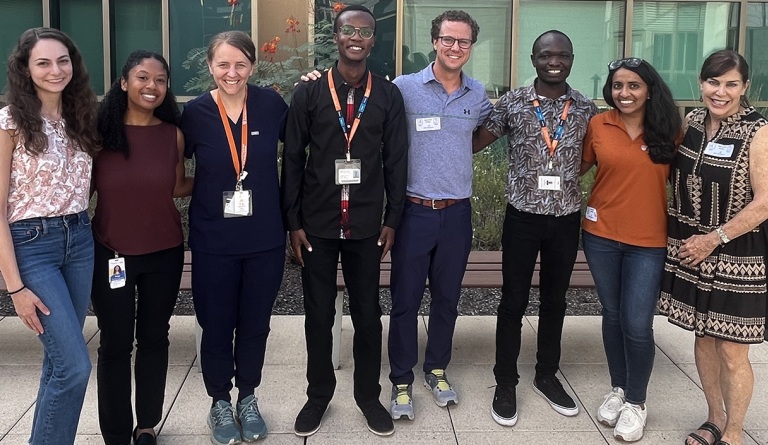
pixel 221 420
pixel 252 425
pixel 402 402
pixel 441 388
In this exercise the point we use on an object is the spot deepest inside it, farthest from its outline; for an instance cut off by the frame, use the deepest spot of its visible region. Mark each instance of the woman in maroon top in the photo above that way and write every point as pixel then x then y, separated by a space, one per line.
pixel 137 229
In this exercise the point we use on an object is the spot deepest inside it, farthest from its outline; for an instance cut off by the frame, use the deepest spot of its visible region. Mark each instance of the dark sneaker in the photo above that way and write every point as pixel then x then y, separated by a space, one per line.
pixel 553 392
pixel 378 418
pixel 504 407
pixel 252 426
pixel 309 419
pixel 221 420
pixel 437 382
pixel 401 403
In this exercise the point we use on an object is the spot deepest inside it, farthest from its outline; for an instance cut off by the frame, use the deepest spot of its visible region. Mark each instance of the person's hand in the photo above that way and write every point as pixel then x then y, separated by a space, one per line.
pixel 314 75
pixel 386 240
pixel 299 239
pixel 697 248
pixel 26 304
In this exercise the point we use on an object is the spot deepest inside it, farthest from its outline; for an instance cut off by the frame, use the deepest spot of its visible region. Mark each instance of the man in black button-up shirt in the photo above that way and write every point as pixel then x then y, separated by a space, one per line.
pixel 333 199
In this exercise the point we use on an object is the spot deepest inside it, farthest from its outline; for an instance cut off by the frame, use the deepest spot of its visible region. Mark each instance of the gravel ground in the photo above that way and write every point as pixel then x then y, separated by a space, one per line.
pixel 473 301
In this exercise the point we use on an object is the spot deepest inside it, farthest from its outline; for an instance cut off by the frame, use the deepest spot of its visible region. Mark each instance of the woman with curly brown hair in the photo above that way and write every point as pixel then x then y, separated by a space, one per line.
pixel 47 137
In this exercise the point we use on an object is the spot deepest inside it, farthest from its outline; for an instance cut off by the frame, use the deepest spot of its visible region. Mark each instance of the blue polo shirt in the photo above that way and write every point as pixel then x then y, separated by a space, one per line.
pixel 440 160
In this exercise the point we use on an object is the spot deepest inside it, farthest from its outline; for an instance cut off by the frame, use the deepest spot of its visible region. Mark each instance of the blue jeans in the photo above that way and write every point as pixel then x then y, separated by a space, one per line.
pixel 628 281
pixel 55 258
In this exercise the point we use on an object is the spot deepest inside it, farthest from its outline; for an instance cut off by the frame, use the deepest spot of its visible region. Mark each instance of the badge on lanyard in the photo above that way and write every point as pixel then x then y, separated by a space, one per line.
pixel 550 177
pixel 348 171
pixel 238 202
pixel 116 272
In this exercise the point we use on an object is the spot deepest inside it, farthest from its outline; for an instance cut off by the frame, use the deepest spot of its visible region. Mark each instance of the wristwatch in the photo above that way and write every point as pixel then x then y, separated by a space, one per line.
pixel 721 233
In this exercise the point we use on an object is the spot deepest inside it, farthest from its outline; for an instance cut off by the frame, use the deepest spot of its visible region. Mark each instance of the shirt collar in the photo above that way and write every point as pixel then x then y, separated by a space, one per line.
pixel 531 92
pixel 338 79
pixel 428 75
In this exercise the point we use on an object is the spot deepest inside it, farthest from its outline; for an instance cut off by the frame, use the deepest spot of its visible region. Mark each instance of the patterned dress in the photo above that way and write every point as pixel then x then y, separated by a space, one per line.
pixel 725 295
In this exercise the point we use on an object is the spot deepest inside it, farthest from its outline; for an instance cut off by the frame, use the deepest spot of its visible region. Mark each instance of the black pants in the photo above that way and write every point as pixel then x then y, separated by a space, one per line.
pixel 233 296
pixel 123 317
pixel 360 262
pixel 526 235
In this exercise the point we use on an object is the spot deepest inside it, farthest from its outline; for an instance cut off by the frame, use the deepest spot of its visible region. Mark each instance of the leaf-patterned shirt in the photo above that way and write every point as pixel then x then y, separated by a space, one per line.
pixel 514 115
pixel 55 182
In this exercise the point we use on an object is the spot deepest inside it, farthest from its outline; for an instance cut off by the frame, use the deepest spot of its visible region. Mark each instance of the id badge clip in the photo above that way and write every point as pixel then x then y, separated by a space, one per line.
pixel 348 171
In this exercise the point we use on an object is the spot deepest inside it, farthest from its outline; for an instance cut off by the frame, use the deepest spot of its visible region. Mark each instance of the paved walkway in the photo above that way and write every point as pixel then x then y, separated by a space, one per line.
pixel 675 401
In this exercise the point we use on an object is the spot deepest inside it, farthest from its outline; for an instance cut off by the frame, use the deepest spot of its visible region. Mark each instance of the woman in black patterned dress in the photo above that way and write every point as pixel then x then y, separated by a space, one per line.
pixel 715 280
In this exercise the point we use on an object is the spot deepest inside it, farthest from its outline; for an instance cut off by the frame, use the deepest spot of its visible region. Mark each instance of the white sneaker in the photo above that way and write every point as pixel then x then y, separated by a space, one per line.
pixel 631 423
pixel 608 413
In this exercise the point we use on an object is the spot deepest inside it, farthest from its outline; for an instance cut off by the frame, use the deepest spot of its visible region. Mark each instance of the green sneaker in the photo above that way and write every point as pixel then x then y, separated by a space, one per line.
pixel 441 388
pixel 252 426
pixel 221 420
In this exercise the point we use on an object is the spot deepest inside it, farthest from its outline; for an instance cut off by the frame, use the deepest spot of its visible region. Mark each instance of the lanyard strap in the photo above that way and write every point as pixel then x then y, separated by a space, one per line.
pixel 360 110
pixel 551 142
pixel 239 166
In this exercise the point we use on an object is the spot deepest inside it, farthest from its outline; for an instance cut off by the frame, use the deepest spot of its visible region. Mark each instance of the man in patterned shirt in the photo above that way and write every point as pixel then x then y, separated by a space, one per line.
pixel 545 123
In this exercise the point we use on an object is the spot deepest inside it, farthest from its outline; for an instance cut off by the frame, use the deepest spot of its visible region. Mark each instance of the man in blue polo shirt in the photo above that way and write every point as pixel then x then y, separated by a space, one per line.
pixel 443 108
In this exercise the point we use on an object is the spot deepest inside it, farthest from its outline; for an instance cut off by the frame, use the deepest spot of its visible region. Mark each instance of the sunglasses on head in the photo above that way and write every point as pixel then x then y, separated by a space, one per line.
pixel 349 30
pixel 631 62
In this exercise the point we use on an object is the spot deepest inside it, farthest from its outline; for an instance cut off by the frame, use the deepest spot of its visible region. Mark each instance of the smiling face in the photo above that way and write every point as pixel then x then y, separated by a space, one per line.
pixel 230 69
pixel 50 66
pixel 146 85
pixel 629 92
pixel 452 59
pixel 722 94
pixel 354 48
pixel 552 57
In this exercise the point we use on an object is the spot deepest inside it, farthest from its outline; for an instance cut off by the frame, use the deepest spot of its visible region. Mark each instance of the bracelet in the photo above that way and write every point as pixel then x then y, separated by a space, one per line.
pixel 721 233
pixel 18 290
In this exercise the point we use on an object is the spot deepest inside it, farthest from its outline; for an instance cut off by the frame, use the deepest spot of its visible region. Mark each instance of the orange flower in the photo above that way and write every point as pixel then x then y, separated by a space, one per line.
pixel 292 25
pixel 338 6
pixel 232 2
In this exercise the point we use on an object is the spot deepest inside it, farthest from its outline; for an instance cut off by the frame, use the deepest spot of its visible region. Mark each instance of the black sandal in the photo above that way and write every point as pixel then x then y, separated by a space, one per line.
pixel 712 429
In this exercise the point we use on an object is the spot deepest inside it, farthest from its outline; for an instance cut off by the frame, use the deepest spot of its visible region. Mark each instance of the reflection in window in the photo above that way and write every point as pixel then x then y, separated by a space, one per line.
pixel 676 37
pixel 489 62
pixel 596 29
pixel 17 17
pixel 756 53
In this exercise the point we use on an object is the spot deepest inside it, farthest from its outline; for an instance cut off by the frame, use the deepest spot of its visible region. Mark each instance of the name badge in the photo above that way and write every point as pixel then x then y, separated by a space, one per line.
pixel 428 124
pixel 237 203
pixel 591 214
pixel 719 150
pixel 348 172
pixel 550 182
pixel 116 272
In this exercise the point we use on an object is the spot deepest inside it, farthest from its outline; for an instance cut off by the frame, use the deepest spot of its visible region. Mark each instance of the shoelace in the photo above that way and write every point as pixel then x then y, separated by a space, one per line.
pixel 442 382
pixel 402 395
pixel 633 415
pixel 250 413
pixel 613 400
pixel 224 416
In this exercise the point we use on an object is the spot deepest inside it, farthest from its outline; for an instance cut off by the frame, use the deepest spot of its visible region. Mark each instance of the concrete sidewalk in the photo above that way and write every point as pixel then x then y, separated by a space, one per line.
pixel 675 401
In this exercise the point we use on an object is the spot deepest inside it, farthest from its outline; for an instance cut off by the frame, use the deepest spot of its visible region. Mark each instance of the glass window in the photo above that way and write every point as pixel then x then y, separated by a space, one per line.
pixel 17 17
pixel 82 20
pixel 137 25
pixel 489 62
pixel 596 29
pixel 193 24
pixel 756 53
pixel 677 36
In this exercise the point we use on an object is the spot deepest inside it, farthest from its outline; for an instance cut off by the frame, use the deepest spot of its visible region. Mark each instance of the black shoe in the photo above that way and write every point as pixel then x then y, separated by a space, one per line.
pixel 143 438
pixel 378 418
pixel 309 419
pixel 552 390
pixel 504 407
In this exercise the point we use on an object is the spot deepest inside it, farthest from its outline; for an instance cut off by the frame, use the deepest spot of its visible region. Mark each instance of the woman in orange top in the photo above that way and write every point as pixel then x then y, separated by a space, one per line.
pixel 624 229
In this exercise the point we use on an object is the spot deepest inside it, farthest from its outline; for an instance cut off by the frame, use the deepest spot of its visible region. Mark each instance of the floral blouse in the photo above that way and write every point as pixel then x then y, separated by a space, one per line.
pixel 53 183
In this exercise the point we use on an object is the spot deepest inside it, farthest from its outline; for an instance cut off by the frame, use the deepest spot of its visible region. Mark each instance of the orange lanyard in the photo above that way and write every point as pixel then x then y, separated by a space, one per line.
pixel 231 140
pixel 360 110
pixel 551 143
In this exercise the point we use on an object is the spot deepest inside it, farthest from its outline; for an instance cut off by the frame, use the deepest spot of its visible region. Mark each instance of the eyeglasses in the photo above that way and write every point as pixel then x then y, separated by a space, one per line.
pixel 349 30
pixel 448 41
pixel 630 62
